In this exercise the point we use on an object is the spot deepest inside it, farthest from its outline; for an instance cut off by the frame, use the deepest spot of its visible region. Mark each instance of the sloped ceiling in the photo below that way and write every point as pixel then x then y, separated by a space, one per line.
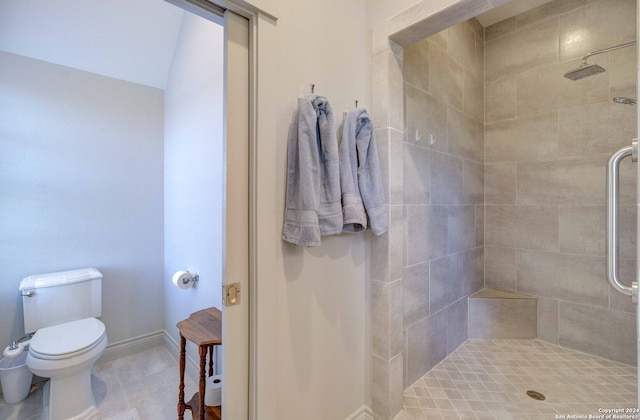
pixel 130 40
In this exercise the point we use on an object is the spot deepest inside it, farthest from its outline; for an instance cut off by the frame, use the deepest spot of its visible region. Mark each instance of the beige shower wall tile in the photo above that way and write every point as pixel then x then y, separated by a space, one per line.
pixel 606 333
pixel 628 219
pixel 461 228
pixel 445 77
pixel 502 318
pixel 396 241
pixel 415 64
pixel 441 39
pixel 479 225
pixel 528 138
pixel 582 230
pixel 421 247
pixel 567 277
pixel 503 27
pixel 396 169
pixel 622 72
pixel 549 10
pixel 426 118
pixel 472 271
pixel 387 249
pixel 527 227
pixel 462 45
pixel 546 89
pixel 457 324
pixel 415 291
pixel 476 26
pixel 522 50
pixel 472 182
pixel 578 182
pixel 628 182
pixel 500 183
pixel 426 346
pixel 548 320
pixel 446 179
pixel 387 385
pixel 599 128
pixel 479 71
pixel 383 145
pixel 599 24
pixel 464 135
pixel 618 301
pixel 386 301
pixel 417 174
pixel 500 268
pixel 500 99
pixel 396 93
pixel 445 281
pixel 380 89
pixel 473 97
pixel 380 258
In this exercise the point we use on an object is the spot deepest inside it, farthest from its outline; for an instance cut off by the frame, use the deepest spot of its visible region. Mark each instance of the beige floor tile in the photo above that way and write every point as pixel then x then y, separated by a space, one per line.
pixel 573 382
pixel 137 387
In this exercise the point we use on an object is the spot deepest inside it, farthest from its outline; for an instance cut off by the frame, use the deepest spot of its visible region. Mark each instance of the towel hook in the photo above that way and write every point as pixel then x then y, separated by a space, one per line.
pixel 313 88
pixel 356 101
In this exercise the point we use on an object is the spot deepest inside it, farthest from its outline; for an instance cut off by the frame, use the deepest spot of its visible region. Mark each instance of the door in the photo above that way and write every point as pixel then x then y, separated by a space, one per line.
pixel 237 265
pixel 613 169
pixel 235 329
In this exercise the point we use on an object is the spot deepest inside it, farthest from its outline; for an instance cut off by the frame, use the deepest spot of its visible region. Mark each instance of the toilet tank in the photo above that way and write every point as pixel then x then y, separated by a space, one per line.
pixel 55 298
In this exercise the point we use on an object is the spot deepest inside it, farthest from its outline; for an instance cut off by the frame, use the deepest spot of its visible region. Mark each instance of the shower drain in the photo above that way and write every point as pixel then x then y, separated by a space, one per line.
pixel 536 395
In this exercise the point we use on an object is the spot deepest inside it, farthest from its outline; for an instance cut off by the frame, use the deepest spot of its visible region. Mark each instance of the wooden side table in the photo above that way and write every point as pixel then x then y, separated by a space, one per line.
pixel 204 329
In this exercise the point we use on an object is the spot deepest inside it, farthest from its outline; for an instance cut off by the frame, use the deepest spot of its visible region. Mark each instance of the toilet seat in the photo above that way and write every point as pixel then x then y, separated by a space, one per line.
pixel 67 340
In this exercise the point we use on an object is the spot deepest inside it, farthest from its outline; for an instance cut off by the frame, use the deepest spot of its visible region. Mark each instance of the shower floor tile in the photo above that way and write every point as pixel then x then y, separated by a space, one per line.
pixel 488 379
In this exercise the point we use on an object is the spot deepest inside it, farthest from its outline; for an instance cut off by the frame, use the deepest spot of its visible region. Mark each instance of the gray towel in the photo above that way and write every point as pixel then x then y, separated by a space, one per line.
pixel 360 177
pixel 312 206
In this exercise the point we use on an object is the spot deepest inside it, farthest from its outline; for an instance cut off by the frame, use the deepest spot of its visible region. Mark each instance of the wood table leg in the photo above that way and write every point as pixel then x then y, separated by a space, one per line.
pixel 210 360
pixel 203 360
pixel 181 404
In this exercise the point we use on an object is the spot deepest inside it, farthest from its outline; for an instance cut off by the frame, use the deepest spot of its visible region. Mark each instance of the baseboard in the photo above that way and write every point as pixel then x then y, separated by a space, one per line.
pixel 363 413
pixel 133 345
pixel 192 366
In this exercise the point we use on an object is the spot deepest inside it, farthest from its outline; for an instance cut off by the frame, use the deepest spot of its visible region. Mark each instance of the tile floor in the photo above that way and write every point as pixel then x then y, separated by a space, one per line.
pixel 482 379
pixel 137 387
pixel 487 379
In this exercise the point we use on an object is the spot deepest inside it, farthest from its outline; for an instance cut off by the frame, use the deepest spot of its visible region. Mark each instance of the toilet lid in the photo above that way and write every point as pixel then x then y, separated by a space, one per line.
pixel 64 339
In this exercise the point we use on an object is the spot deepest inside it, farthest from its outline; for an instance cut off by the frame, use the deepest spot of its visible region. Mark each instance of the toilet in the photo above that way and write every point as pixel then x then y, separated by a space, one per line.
pixel 60 308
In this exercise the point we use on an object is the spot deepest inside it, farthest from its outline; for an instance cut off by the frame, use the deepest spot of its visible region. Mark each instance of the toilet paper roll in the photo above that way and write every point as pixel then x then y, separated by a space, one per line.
pixel 182 279
pixel 213 391
pixel 10 353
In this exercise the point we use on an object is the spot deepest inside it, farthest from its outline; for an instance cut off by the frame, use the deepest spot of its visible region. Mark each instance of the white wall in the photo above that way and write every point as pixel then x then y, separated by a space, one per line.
pixel 124 39
pixel 194 170
pixel 316 343
pixel 312 326
pixel 80 186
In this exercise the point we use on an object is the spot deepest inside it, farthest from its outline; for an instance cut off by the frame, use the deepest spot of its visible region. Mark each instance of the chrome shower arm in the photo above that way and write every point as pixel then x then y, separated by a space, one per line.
pixel 617 47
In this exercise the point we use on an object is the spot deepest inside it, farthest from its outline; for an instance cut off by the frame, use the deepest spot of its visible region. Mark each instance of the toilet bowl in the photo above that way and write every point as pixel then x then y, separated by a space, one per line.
pixel 61 309
pixel 65 353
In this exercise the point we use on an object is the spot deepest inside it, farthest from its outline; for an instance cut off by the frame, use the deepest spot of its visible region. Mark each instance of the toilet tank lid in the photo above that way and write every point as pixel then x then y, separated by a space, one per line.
pixel 59 278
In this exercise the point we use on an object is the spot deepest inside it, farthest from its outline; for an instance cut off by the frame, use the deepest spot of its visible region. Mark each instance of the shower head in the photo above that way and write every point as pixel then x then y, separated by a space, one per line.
pixel 624 101
pixel 585 70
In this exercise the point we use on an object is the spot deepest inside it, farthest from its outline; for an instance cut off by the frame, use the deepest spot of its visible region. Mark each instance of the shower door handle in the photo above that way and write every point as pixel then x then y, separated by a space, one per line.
pixel 613 178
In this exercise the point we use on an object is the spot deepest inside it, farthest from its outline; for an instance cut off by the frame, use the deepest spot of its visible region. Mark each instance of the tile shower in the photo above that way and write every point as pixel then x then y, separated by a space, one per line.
pixel 495 169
